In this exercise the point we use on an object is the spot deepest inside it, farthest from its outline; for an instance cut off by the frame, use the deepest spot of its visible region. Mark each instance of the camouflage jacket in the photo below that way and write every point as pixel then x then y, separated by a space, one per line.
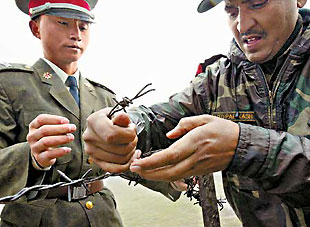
pixel 26 92
pixel 268 180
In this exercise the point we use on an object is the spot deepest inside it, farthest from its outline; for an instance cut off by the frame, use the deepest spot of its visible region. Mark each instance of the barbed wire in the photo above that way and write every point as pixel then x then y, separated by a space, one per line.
pixel 127 101
pixel 83 181
pixel 192 191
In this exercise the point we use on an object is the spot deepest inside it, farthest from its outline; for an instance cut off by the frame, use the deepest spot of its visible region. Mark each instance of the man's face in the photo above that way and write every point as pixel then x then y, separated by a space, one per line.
pixel 64 40
pixel 261 27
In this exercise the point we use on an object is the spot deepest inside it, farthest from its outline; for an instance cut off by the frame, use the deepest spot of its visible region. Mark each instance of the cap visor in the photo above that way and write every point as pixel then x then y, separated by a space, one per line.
pixel 207 5
pixel 72 14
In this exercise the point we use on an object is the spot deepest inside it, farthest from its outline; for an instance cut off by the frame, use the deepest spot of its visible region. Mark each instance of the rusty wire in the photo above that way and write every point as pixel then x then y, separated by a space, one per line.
pixel 127 101
pixel 79 182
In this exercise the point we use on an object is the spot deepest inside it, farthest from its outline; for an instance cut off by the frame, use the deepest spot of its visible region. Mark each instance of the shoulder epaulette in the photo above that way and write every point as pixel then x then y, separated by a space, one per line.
pixel 4 66
pixel 100 85
pixel 202 66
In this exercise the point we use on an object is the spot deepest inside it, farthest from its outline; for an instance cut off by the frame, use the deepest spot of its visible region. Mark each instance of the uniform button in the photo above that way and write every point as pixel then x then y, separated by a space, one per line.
pixel 90 160
pixel 89 205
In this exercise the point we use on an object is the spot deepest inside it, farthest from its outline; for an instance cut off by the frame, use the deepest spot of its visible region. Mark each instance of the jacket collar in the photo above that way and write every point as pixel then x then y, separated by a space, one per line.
pixel 60 93
pixel 88 99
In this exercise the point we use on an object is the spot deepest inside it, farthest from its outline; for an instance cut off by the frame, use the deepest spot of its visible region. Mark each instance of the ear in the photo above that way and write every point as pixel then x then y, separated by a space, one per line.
pixel 34 26
pixel 301 3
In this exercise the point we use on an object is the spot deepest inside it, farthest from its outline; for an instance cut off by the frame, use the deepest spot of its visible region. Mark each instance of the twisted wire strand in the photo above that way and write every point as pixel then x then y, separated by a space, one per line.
pixel 127 101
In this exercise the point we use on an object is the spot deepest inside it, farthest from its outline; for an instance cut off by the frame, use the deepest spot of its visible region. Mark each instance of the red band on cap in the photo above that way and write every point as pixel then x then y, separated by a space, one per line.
pixel 80 3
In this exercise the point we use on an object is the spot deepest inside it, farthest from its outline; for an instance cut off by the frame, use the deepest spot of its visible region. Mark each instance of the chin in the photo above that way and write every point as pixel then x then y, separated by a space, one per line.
pixel 73 59
pixel 257 58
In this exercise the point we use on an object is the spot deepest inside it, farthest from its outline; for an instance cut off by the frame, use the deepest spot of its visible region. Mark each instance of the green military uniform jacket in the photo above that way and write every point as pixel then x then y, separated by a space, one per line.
pixel 268 180
pixel 26 92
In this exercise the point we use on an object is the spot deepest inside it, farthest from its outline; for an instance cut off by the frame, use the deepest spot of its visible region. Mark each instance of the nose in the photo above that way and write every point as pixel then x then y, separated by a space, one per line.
pixel 245 20
pixel 75 32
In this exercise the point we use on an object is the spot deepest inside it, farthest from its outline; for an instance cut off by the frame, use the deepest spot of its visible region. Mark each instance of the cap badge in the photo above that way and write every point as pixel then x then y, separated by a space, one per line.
pixel 47 75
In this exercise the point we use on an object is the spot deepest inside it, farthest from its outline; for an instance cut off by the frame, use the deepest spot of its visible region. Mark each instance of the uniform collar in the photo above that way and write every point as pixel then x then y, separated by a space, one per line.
pixel 62 75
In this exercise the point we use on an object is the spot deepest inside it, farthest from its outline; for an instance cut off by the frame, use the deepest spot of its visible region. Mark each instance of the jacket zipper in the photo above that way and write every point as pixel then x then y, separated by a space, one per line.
pixel 276 86
pixel 270 97
pixel 270 107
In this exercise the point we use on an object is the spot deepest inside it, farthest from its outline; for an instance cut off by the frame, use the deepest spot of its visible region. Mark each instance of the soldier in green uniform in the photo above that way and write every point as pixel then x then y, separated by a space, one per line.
pixel 43 111
pixel 246 114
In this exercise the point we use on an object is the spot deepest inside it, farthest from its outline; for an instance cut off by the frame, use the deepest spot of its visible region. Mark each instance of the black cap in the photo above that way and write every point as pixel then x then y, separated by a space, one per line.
pixel 205 5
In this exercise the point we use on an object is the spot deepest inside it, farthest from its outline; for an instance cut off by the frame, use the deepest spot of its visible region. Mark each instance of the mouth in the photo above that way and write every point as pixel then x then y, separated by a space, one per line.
pixel 75 47
pixel 250 40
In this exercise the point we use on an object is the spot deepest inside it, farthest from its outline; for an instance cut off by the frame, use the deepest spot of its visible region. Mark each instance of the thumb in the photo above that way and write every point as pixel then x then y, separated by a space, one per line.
pixel 176 132
pixel 121 119
pixel 187 124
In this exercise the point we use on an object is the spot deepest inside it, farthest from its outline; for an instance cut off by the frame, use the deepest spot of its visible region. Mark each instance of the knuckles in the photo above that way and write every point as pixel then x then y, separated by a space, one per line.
pixel 44 131
pixel 86 135
pixel 40 119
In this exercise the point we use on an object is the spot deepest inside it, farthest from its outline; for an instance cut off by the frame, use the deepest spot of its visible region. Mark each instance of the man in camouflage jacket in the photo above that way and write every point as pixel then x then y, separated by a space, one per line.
pixel 247 114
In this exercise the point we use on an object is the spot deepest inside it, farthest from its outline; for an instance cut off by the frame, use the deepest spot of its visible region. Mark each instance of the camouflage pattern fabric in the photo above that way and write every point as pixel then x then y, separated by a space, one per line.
pixel 268 181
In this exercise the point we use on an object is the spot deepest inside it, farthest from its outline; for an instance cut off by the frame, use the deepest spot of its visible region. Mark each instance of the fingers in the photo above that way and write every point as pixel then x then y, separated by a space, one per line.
pixel 47 119
pixel 187 124
pixel 121 119
pixel 116 168
pixel 101 130
pixel 46 133
pixel 111 143
pixel 160 159
pixel 51 130
pixel 47 142
pixel 48 158
pixel 168 173
pixel 178 151
pixel 121 154
pixel 121 135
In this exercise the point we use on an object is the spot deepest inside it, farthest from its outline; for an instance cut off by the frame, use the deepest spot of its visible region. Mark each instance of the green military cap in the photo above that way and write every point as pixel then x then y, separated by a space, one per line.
pixel 76 9
pixel 205 5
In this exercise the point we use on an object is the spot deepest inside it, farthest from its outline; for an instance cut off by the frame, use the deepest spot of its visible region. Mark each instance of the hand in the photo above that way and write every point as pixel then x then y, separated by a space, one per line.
pixel 208 145
pixel 111 143
pixel 46 133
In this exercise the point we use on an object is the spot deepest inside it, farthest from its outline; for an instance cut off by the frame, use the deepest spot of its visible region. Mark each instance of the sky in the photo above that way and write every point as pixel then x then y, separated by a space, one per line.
pixel 133 43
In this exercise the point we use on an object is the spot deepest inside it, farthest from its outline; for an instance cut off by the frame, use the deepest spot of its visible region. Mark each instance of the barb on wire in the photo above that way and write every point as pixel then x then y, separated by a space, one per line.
pixel 192 192
pixel 126 101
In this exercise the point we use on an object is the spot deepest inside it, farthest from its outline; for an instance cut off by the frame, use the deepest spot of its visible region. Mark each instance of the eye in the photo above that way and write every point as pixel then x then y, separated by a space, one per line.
pixel 84 26
pixel 257 4
pixel 62 23
pixel 231 11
